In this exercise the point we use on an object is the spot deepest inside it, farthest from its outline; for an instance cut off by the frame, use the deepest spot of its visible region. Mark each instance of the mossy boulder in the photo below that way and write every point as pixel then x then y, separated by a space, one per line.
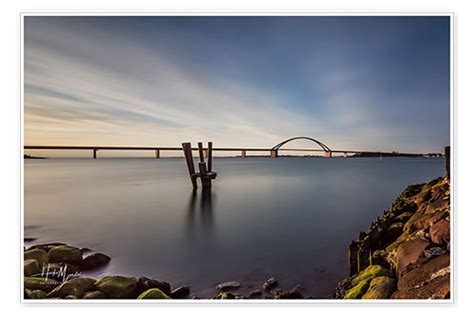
pixel 357 291
pixel 94 261
pixel 380 288
pixel 117 287
pixel 94 295
pixel 66 254
pixel 39 255
pixel 37 283
pixel 153 294
pixel 369 273
pixel 224 295
pixel 31 267
pixel 76 287
pixel 35 294
pixel 145 283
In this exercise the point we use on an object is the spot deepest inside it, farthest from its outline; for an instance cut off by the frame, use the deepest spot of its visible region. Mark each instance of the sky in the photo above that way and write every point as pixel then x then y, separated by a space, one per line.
pixel 361 83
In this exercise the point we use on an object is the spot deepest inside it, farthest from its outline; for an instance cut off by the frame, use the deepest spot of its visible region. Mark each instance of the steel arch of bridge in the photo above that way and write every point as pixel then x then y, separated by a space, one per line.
pixel 322 145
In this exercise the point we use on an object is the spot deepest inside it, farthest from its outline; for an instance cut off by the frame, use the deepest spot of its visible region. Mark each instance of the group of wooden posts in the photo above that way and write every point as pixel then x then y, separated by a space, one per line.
pixel 205 171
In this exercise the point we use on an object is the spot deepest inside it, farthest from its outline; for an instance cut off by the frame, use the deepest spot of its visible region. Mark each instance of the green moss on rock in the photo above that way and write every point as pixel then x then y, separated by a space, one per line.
pixel 35 294
pixel 31 267
pixel 153 293
pixel 37 283
pixel 117 287
pixel 76 287
pixel 358 290
pixel 380 288
pixel 67 254
pixel 37 254
pixel 369 273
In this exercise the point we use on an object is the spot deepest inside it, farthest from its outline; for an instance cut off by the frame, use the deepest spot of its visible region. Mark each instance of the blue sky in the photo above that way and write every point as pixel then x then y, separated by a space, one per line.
pixel 375 83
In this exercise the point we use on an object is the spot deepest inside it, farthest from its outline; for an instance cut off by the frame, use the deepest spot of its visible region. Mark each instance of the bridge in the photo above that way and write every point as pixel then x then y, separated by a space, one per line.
pixel 273 152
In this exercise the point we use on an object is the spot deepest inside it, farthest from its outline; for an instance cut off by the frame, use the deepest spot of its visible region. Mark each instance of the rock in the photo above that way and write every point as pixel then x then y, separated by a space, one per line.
pixel 404 217
pixel 289 295
pixel 94 261
pixel 440 232
pixel 269 284
pixel 60 270
pixel 255 293
pixel 224 296
pixel 38 254
pixel 145 283
pixel 71 297
pixel 434 251
pixel 180 293
pixel 358 290
pixel 117 287
pixel 228 285
pixel 439 288
pixel 422 273
pixel 153 294
pixel 31 267
pixel 46 247
pixel 35 294
pixel 76 287
pixel 94 295
pixel 409 252
pixel 369 273
pixel 66 254
pixel 37 283
pixel 380 288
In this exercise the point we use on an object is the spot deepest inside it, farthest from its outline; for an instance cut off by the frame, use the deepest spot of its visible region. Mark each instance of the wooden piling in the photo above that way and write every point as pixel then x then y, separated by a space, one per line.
pixel 209 156
pixel 205 180
pixel 447 161
pixel 188 155
pixel 201 152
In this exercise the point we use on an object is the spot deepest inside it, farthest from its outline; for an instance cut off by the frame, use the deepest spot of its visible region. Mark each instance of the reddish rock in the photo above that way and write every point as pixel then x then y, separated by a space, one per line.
pixel 440 232
pixel 409 252
pixel 438 288
pixel 419 274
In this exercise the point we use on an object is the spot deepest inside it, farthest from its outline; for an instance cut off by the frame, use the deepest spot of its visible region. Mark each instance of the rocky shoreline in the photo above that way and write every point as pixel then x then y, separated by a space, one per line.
pixel 53 271
pixel 406 253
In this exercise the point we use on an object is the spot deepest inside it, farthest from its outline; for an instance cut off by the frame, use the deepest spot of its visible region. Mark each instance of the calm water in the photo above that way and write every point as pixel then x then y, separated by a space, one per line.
pixel 290 218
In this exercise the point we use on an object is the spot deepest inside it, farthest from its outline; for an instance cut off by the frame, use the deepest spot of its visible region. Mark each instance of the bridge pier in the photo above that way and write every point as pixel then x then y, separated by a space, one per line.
pixel 206 153
pixel 95 153
pixel 344 154
pixel 274 153
pixel 328 154
pixel 243 154
pixel 157 154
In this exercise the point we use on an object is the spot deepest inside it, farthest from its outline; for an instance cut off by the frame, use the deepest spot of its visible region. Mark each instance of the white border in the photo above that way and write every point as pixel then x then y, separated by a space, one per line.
pixel 236 302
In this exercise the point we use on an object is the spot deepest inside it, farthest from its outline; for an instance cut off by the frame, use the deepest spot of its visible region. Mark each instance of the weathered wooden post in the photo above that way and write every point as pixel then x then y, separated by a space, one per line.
pixel 188 155
pixel 205 180
pixel 447 161
pixel 209 156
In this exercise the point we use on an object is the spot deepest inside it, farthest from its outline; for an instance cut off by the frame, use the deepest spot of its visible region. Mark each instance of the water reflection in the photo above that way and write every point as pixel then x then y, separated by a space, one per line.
pixel 201 209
